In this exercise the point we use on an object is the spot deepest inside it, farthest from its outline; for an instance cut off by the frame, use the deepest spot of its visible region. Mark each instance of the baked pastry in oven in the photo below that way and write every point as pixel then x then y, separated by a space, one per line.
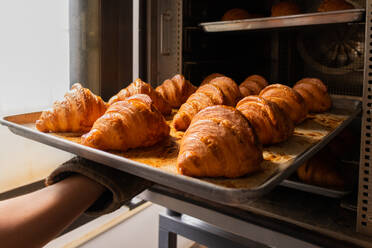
pixel 176 90
pixel 210 77
pixel 315 94
pixel 288 100
pixel 252 85
pixel 219 143
pixel 134 122
pixel 321 170
pixel 219 91
pixel 77 112
pixel 236 14
pixel 271 124
pixel 334 5
pixel 140 87
pixel 285 8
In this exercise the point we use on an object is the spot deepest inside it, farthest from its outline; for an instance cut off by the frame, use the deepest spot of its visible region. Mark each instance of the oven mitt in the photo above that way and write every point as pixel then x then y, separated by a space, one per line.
pixel 121 187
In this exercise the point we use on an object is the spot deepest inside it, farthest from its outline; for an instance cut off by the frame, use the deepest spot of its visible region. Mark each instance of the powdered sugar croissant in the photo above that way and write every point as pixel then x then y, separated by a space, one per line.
pixel 77 112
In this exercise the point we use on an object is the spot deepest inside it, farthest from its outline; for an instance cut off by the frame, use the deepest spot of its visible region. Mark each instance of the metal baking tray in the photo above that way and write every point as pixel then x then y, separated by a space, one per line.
pixel 158 163
pixel 342 16
pixel 349 169
pixel 333 193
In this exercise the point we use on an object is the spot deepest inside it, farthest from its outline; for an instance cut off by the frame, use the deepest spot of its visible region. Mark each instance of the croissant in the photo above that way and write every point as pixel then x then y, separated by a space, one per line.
pixel 140 87
pixel 77 112
pixel 288 100
pixel 333 5
pixel 134 122
pixel 321 170
pixel 252 85
pixel 285 8
pixel 219 142
pixel 235 14
pixel 270 123
pixel 315 94
pixel 219 91
pixel 176 90
pixel 210 77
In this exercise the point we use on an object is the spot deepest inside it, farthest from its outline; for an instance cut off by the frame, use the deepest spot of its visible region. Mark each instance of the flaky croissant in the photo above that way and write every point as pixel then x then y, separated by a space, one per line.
pixel 77 112
pixel 219 91
pixel 134 122
pixel 210 77
pixel 176 90
pixel 334 5
pixel 219 143
pixel 315 94
pixel 285 8
pixel 270 123
pixel 140 87
pixel 288 100
pixel 252 85
pixel 235 14
pixel 321 170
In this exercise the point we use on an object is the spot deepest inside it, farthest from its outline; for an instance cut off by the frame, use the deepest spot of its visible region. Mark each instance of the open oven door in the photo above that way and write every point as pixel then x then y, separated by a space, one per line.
pixel 113 42
pixel 101 44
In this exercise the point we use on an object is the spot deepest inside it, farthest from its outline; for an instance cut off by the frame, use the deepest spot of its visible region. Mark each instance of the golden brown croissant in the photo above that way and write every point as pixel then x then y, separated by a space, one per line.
pixel 219 91
pixel 219 142
pixel 140 87
pixel 285 8
pixel 321 170
pixel 235 14
pixel 315 94
pixel 210 77
pixel 270 123
pixel 134 122
pixel 288 100
pixel 176 90
pixel 252 85
pixel 333 5
pixel 77 112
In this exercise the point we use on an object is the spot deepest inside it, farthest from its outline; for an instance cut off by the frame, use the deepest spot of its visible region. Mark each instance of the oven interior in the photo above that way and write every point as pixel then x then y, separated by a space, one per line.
pixel 332 52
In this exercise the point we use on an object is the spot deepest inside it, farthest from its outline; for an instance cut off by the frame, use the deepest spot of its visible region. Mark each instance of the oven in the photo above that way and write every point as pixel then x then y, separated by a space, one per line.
pixel 113 42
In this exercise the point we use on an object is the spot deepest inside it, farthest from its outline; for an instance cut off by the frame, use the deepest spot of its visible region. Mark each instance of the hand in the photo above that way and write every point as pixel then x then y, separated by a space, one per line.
pixel 42 215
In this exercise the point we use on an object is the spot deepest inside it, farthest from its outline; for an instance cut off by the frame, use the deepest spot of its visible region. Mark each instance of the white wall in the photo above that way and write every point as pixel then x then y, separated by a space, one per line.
pixel 34 72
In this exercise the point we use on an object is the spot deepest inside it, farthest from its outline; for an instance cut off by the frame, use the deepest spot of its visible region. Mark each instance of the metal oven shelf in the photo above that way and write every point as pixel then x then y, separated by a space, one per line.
pixel 330 17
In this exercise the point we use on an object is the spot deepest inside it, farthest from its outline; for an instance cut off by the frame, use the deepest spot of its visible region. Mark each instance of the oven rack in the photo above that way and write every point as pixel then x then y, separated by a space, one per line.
pixel 318 18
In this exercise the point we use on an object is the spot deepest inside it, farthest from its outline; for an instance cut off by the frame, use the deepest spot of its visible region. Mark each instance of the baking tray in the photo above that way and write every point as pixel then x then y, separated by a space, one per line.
pixel 333 193
pixel 342 16
pixel 349 170
pixel 157 163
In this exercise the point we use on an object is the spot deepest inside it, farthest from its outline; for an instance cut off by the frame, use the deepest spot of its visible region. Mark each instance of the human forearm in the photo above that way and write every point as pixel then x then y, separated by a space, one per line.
pixel 34 219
